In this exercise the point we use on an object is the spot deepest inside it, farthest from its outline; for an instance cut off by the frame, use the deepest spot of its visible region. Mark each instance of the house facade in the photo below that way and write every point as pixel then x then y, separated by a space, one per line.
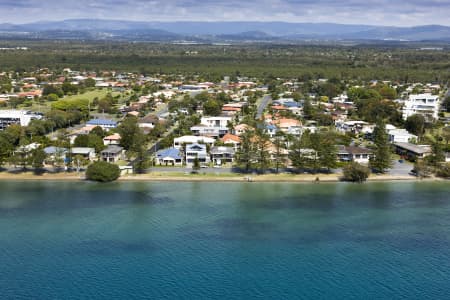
pixel 112 153
pixel 426 105
pixel 357 154
pixel 194 151
pixel 169 157
pixel 221 155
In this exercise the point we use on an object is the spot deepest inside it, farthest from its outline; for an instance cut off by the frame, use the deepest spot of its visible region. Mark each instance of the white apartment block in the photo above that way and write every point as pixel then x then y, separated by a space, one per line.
pixel 426 105
pixel 221 121
pixel 20 117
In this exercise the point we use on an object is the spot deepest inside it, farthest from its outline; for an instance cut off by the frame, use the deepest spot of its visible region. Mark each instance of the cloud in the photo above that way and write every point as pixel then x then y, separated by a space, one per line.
pixel 376 12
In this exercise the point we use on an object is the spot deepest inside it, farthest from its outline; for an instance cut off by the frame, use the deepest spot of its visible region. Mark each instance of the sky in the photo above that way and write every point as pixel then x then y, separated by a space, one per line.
pixel 372 12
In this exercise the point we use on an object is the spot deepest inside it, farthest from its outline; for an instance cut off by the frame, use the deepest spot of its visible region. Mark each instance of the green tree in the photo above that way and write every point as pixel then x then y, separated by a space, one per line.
pixel 301 153
pixel 132 137
pixel 355 172
pixel 37 158
pixel 325 146
pixel 102 171
pixel 212 108
pixel 381 161
pixel 195 165
pixel 262 150
pixel 98 131
pixel 279 155
pixel 437 154
pixel 415 124
pixel 245 154
pixel 89 82
pixel 142 161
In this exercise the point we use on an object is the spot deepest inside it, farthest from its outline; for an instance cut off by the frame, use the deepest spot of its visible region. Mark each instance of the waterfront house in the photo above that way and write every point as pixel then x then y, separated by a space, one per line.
pixel 352 153
pixel 112 153
pixel 85 152
pixel 222 154
pixel 170 156
pixel 196 151
pixel 411 151
pixel 54 154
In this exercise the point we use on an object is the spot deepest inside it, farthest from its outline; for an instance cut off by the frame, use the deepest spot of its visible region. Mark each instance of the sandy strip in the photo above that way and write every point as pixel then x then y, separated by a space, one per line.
pixel 155 177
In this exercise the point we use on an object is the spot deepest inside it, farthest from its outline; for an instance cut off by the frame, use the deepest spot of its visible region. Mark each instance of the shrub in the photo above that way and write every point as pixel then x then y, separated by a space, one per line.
pixel 355 172
pixel 102 171
pixel 444 171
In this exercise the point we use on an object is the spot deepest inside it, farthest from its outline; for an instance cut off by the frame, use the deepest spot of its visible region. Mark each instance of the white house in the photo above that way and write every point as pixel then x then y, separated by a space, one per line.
pixel 113 139
pixel 356 154
pixel 196 151
pixel 221 121
pixel 192 139
pixel 426 105
pixel 401 136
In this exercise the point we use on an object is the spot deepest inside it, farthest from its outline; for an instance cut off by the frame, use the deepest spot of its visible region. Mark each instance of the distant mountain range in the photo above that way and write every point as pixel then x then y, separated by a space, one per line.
pixel 93 29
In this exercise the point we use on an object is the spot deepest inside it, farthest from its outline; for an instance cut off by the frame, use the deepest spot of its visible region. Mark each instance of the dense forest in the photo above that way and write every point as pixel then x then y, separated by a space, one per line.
pixel 355 62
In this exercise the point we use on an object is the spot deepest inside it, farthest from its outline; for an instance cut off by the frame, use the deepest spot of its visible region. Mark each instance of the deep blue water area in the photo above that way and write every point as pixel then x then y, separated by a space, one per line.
pixel 137 240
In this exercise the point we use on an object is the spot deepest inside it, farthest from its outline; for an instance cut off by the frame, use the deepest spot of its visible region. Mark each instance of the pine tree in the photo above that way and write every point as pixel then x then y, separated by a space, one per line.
pixel 262 150
pixel 326 150
pixel 245 155
pixel 382 155
pixel 300 151
pixel 279 156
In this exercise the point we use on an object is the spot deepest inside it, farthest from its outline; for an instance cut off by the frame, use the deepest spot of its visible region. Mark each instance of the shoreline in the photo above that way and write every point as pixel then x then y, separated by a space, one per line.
pixel 158 177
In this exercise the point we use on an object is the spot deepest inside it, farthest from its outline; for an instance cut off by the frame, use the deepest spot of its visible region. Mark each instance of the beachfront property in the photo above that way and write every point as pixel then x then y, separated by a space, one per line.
pixel 352 153
pixel 112 153
pixel 85 152
pixel 198 151
pixel 411 151
pixel 426 105
pixel 192 139
pixel 55 154
pixel 221 155
pixel 19 117
pixel 169 157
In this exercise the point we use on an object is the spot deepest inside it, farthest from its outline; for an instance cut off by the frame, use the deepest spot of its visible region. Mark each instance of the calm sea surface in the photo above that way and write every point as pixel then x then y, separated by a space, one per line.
pixel 64 240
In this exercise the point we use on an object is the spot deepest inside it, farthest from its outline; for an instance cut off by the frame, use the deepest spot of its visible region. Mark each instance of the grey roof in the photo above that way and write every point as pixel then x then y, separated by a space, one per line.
pixel 353 150
pixel 112 149
pixel 82 150
pixel 414 148
pixel 54 150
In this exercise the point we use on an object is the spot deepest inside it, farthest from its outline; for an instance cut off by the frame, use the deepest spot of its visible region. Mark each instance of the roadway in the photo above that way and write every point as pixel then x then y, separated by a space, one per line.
pixel 262 106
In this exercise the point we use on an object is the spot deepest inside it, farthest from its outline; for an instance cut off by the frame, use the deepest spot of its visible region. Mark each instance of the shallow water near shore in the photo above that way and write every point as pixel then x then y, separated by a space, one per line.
pixel 194 240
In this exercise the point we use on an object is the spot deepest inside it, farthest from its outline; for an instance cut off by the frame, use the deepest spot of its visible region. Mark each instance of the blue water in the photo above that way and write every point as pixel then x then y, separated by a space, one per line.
pixel 224 241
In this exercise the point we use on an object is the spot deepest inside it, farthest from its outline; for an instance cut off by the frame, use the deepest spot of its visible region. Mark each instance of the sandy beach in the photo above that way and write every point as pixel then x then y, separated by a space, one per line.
pixel 166 176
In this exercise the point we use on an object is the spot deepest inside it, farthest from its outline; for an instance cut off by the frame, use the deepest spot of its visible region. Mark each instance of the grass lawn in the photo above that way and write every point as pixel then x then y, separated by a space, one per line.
pixel 89 95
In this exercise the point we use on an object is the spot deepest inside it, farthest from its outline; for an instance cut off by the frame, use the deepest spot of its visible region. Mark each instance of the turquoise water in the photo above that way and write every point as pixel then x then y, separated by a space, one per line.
pixel 62 240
